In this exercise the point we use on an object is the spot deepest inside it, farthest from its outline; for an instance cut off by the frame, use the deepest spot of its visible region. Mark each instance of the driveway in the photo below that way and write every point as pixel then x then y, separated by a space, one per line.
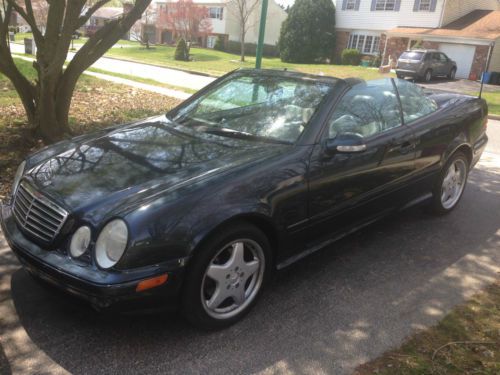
pixel 463 86
pixel 327 314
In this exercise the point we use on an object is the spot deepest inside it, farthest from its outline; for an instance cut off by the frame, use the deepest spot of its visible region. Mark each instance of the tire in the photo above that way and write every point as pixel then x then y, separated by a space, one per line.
pixel 450 185
pixel 451 76
pixel 233 277
pixel 428 75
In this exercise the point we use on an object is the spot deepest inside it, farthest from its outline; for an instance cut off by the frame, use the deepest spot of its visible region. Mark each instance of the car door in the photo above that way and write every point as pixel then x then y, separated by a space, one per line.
pixel 348 189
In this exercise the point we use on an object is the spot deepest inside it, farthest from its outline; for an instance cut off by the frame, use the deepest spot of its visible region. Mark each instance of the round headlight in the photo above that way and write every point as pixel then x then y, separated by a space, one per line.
pixel 111 243
pixel 79 242
pixel 18 176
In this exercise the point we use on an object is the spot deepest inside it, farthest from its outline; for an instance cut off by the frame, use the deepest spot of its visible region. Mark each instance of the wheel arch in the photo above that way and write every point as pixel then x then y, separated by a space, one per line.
pixel 259 220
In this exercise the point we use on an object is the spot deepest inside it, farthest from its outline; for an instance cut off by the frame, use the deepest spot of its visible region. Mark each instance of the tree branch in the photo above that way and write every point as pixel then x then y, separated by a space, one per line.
pixel 84 18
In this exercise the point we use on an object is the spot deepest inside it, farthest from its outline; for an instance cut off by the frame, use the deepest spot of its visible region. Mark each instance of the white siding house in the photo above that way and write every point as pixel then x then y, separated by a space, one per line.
pixel 465 29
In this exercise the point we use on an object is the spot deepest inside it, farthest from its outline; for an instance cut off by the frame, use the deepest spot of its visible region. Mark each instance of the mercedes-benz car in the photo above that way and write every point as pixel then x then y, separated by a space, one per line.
pixel 195 209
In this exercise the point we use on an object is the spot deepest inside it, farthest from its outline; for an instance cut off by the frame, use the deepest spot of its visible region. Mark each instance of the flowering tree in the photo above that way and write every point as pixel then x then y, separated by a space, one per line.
pixel 188 20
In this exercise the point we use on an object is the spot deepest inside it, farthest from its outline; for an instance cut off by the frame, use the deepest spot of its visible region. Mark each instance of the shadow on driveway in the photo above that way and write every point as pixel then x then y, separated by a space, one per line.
pixel 328 313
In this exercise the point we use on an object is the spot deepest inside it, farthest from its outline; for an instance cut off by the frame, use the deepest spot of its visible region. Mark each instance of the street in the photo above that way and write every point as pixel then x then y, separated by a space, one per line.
pixel 326 314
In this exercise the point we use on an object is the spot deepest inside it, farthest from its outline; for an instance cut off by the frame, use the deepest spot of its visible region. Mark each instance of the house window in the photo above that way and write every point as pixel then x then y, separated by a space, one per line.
pixel 350 5
pixel 368 44
pixel 215 13
pixel 385 4
pixel 424 5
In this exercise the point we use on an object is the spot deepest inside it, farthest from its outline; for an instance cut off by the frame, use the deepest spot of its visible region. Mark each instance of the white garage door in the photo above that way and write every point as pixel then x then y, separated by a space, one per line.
pixel 463 55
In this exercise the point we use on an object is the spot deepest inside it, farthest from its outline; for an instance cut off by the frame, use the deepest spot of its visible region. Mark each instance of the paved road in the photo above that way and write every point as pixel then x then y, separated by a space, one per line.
pixel 327 314
pixel 163 75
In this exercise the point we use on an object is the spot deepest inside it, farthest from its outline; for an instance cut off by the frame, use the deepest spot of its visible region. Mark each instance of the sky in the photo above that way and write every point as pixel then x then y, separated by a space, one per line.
pixel 285 2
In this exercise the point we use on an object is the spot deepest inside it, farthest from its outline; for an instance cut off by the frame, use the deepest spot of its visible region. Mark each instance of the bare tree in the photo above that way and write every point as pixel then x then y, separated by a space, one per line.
pixel 48 99
pixel 242 10
pixel 139 30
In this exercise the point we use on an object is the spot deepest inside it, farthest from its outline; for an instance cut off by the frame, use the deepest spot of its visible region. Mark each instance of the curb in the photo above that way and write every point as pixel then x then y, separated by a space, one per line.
pixel 494 117
pixel 164 67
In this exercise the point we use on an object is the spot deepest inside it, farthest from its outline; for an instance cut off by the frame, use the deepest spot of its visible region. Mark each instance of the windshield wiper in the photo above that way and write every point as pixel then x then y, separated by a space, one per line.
pixel 231 133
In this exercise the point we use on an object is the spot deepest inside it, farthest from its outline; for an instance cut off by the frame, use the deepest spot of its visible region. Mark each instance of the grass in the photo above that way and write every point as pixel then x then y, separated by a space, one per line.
pixel 466 341
pixel 96 104
pixel 218 63
pixel 493 99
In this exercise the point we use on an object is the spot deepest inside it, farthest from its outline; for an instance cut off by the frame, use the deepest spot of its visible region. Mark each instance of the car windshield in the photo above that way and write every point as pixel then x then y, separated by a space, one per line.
pixel 412 55
pixel 271 108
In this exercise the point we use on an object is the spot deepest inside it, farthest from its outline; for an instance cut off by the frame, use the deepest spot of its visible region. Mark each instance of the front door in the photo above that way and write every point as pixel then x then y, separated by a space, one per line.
pixel 350 189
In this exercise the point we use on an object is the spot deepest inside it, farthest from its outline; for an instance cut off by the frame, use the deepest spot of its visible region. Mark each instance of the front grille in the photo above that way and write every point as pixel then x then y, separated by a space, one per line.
pixel 36 214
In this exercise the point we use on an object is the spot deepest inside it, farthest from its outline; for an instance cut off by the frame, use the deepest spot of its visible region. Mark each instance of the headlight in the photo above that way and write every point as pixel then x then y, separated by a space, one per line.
pixel 79 242
pixel 18 176
pixel 111 243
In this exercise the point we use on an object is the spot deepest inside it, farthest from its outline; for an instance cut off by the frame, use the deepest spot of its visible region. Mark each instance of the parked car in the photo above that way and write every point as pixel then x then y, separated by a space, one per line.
pixel 425 65
pixel 196 208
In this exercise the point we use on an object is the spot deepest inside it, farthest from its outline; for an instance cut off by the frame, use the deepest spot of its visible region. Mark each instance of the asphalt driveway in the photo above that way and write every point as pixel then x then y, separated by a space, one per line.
pixel 327 314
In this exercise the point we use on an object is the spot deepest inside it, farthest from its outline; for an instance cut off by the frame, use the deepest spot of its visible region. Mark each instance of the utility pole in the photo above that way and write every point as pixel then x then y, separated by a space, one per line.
pixel 262 31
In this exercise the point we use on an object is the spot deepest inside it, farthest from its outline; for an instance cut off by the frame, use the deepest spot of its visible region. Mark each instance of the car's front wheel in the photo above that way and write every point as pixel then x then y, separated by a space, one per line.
pixel 226 276
pixel 451 184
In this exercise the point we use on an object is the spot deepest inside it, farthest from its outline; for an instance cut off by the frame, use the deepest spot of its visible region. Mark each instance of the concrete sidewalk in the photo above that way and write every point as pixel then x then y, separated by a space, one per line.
pixel 163 75
pixel 143 86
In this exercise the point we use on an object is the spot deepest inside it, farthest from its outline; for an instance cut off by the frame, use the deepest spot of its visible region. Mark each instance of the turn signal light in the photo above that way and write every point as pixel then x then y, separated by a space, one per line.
pixel 151 283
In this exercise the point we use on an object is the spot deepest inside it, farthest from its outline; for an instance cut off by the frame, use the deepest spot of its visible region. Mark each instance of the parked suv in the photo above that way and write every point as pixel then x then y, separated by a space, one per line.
pixel 425 64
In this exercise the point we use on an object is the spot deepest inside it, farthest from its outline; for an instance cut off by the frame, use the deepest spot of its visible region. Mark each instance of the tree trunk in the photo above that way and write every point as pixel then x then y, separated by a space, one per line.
pixel 242 47
pixel 51 115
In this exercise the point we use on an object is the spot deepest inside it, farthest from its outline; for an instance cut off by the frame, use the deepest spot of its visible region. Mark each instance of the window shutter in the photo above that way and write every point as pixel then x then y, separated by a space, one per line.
pixel 221 13
pixel 416 5
pixel 433 5
pixel 373 4
pixel 344 4
pixel 397 5
pixel 356 7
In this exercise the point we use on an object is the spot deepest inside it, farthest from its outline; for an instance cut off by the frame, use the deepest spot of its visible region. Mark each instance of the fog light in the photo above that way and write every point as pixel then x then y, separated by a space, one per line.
pixel 151 283
pixel 79 242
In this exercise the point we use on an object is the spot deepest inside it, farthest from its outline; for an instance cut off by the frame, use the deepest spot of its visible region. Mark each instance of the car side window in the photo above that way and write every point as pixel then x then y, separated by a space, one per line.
pixel 443 57
pixel 366 109
pixel 414 102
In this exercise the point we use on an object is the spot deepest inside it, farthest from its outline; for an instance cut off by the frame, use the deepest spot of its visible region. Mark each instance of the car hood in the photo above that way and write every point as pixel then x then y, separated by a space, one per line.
pixel 136 161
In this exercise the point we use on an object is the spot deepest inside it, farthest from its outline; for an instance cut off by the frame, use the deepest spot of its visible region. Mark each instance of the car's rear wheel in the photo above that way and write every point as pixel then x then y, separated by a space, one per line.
pixel 452 74
pixel 428 75
pixel 451 184
pixel 226 276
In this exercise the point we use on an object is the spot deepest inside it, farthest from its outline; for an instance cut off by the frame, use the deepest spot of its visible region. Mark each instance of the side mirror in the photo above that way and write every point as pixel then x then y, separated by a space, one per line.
pixel 345 143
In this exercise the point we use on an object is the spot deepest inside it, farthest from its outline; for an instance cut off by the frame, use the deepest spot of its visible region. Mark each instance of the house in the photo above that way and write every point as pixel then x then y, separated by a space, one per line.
pixel 223 21
pixel 100 18
pixel 468 31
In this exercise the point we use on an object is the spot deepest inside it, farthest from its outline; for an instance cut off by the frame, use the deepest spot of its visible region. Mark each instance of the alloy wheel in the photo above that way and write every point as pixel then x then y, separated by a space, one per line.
pixel 233 278
pixel 453 183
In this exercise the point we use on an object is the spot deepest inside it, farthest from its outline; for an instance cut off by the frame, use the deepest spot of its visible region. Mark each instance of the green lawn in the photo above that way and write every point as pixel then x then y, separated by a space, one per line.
pixel 493 99
pixel 218 63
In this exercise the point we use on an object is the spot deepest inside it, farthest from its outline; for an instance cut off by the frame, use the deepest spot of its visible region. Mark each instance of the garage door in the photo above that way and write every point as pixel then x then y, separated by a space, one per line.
pixel 463 55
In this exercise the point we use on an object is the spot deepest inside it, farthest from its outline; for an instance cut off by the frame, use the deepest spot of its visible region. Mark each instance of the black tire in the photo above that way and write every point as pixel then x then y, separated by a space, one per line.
pixel 452 73
pixel 192 306
pixel 437 206
pixel 427 76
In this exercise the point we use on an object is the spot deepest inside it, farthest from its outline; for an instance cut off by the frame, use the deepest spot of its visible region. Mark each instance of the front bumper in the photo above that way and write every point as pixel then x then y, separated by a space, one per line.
pixel 103 289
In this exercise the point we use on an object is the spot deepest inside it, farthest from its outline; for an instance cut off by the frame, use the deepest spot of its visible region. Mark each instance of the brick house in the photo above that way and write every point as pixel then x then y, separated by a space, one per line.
pixel 468 31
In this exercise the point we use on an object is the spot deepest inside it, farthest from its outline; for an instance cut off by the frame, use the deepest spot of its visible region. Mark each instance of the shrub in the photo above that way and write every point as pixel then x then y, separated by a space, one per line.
pixel 219 44
pixel 377 61
pixel 351 57
pixel 308 33
pixel 181 51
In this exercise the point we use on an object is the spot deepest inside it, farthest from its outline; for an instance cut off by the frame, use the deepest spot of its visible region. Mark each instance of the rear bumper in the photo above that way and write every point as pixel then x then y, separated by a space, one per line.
pixel 407 73
pixel 114 290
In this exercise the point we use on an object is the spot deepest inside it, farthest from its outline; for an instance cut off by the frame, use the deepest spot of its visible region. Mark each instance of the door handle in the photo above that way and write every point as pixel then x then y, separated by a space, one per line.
pixel 403 147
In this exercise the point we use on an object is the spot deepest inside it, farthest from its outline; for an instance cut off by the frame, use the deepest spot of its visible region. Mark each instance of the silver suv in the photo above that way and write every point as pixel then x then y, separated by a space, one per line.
pixel 425 64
